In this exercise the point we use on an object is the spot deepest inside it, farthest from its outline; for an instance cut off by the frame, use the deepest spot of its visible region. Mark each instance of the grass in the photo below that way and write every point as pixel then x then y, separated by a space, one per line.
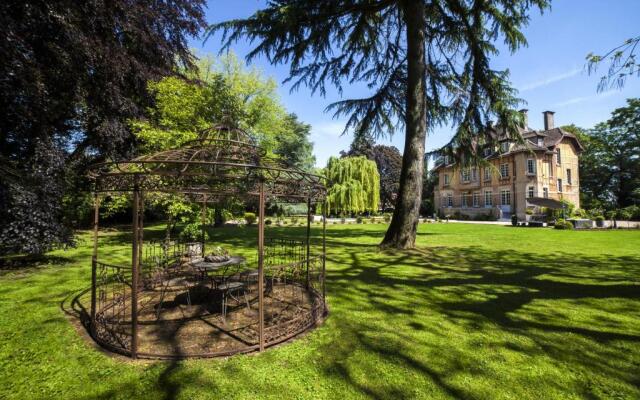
pixel 476 312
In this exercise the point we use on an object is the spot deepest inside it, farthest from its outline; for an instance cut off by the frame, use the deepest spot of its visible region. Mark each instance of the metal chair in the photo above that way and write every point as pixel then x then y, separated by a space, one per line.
pixel 232 286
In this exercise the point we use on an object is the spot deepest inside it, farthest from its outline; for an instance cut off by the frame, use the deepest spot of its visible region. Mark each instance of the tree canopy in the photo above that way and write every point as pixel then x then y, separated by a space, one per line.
pixel 610 164
pixel 426 62
pixel 354 185
pixel 389 162
pixel 223 89
pixel 219 89
pixel 73 74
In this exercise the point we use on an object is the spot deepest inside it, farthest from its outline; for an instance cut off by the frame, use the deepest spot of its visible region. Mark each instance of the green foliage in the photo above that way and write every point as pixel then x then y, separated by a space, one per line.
pixel 354 185
pixel 386 217
pixel 193 232
pixel 219 89
pixel 622 64
pixel 250 218
pixel 610 166
pixel 223 89
pixel 563 224
pixel 565 212
pixel 359 219
pixel 414 56
pixel 625 214
pixel 73 74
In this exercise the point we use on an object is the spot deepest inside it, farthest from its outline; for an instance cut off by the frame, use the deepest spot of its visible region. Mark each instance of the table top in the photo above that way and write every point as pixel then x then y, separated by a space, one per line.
pixel 204 265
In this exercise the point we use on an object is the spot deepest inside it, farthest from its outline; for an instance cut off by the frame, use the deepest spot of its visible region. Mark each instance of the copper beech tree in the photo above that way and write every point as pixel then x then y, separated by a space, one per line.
pixel 427 63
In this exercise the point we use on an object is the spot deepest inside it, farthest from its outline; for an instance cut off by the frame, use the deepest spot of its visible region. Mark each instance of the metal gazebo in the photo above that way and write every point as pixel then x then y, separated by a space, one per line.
pixel 165 304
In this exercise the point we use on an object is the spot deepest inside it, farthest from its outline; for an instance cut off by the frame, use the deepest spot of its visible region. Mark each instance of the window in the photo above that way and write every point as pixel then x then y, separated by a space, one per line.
pixel 504 170
pixel 476 199
pixel 504 147
pixel 464 201
pixel 487 174
pixel 464 175
pixel 505 197
pixel 449 200
pixel 446 160
pixel 531 166
pixel 530 191
pixel 568 176
pixel 487 151
pixel 474 174
pixel 559 185
pixel 540 142
pixel 558 157
pixel 446 179
pixel 488 201
pixel 545 193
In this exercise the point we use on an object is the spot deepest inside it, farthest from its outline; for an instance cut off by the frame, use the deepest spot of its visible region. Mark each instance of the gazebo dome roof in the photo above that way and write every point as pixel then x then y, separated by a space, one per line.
pixel 222 161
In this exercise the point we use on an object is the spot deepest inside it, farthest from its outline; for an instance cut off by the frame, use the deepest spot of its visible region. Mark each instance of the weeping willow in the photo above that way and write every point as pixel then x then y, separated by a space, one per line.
pixel 354 185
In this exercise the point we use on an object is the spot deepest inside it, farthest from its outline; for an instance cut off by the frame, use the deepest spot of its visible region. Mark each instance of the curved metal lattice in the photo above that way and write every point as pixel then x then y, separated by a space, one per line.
pixel 222 161
pixel 163 305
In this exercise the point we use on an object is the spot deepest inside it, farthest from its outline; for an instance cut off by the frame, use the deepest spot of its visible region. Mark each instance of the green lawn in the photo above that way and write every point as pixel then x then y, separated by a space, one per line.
pixel 477 312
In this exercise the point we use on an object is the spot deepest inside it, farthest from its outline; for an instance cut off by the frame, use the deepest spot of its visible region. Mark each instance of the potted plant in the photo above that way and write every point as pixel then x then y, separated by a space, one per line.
pixel 599 221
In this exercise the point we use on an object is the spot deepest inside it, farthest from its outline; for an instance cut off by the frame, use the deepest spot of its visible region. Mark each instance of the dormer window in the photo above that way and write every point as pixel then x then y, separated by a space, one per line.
pixel 446 160
pixel 504 147
pixel 487 151
pixel 540 142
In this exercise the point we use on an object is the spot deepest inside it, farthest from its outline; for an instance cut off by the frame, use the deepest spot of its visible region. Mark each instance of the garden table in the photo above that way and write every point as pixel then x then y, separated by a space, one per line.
pixel 217 270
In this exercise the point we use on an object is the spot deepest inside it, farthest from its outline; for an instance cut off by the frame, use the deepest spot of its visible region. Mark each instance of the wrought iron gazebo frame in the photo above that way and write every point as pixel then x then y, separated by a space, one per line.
pixel 223 162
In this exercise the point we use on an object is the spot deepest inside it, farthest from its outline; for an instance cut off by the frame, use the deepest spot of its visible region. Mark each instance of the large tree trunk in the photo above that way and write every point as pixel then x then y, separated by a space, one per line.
pixel 402 231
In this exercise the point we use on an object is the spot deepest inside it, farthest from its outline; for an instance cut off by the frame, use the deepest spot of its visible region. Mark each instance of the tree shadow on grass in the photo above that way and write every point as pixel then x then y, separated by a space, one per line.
pixel 409 312
pixel 557 303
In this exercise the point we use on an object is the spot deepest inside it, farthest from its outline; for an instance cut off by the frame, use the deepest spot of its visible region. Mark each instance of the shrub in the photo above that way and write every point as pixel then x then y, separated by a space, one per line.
pixel 250 218
pixel 294 220
pixel 387 217
pixel 563 224
pixel 580 213
pixel 343 220
pixel 632 212
pixel 359 219
pixel 267 222
pixel 193 232
pixel 514 220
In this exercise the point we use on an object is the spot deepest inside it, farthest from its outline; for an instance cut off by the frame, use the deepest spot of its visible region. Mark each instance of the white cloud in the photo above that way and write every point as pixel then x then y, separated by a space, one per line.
pixel 582 99
pixel 551 79
pixel 327 130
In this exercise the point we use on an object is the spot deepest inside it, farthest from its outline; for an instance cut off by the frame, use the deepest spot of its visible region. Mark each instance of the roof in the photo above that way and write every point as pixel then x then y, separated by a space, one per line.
pixel 551 138
pixel 544 202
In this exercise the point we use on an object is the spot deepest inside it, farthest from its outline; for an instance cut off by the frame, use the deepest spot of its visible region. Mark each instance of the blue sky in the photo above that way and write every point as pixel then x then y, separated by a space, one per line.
pixel 549 74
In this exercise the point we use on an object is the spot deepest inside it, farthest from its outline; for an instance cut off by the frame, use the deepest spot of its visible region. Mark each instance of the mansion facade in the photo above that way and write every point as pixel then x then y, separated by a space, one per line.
pixel 546 166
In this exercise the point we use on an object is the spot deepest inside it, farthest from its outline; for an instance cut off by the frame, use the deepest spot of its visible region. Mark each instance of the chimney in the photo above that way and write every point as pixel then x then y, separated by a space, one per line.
pixel 548 120
pixel 525 118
